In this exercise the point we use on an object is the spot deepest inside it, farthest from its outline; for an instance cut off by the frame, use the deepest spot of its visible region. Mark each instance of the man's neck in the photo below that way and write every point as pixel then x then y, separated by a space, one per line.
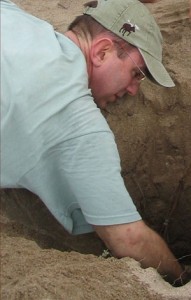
pixel 84 46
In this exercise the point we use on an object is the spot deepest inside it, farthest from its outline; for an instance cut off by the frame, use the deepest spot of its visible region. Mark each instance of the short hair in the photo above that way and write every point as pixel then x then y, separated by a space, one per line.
pixel 87 28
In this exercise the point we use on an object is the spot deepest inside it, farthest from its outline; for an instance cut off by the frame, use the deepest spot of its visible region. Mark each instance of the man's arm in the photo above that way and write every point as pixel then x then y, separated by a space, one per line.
pixel 138 241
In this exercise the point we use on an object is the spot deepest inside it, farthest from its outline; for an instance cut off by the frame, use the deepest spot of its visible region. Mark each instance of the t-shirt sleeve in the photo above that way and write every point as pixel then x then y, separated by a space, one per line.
pixel 80 182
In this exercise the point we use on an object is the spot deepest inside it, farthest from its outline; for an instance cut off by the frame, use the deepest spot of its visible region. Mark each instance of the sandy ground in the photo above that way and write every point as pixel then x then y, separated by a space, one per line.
pixel 39 260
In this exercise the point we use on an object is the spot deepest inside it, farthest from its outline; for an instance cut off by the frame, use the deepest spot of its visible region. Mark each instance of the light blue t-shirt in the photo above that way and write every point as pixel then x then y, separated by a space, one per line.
pixel 55 141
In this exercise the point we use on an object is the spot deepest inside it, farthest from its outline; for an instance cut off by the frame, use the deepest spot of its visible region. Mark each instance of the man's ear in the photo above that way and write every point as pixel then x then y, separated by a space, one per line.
pixel 100 50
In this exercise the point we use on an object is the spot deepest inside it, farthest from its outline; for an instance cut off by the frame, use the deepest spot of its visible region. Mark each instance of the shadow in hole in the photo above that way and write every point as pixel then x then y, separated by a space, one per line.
pixel 30 218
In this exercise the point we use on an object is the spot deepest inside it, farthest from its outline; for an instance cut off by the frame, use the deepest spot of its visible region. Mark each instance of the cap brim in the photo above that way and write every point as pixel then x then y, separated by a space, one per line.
pixel 157 70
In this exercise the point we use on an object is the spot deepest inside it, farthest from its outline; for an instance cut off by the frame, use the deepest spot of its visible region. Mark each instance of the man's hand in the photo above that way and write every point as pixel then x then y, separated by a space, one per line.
pixel 138 241
pixel 184 278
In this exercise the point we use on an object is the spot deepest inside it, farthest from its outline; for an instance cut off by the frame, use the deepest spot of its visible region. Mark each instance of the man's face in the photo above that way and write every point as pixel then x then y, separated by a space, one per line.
pixel 116 77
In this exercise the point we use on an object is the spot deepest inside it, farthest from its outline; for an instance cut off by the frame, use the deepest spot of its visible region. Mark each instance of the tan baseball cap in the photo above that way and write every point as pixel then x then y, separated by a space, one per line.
pixel 132 21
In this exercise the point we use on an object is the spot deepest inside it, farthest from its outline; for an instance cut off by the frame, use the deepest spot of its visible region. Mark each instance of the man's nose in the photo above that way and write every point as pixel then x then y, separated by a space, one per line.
pixel 132 89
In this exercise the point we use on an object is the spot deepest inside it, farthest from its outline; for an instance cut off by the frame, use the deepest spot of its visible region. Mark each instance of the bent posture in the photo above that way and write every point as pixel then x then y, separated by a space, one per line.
pixel 55 141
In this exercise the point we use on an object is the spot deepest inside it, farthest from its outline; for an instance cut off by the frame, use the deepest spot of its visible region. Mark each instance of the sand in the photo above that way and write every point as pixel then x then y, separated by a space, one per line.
pixel 39 260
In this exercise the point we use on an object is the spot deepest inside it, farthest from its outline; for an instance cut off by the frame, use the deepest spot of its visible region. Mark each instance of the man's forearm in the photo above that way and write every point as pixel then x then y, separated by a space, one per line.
pixel 154 252
pixel 158 255
pixel 138 241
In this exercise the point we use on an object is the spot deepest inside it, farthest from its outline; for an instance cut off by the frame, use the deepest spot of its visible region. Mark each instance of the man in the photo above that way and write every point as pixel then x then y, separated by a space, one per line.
pixel 55 141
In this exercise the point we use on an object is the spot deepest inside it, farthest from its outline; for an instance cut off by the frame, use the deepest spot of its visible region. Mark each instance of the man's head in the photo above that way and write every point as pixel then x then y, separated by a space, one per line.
pixel 132 21
pixel 123 42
